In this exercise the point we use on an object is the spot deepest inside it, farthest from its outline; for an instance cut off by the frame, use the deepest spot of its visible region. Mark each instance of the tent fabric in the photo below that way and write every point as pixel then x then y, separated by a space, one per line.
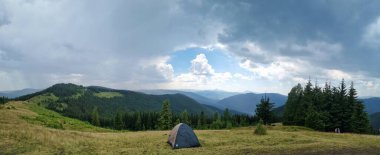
pixel 183 136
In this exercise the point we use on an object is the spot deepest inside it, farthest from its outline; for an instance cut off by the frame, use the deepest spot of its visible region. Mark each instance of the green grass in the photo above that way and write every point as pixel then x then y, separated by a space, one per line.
pixel 43 99
pixel 53 119
pixel 23 136
pixel 108 94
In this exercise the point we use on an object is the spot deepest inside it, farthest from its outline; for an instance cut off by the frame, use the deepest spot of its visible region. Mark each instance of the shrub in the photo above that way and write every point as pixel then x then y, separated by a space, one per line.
pixel 260 129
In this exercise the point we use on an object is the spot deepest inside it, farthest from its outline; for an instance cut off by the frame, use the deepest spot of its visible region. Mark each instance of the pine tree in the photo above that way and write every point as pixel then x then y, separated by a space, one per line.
pixel 165 119
pixel 264 110
pixel 118 122
pixel 314 119
pixel 95 116
pixel 185 117
pixel 199 124
pixel 138 124
pixel 149 124
pixel 307 100
pixel 326 106
pixel 317 98
pixel 345 108
pixel 293 105
pixel 203 120
pixel 360 122
pixel 335 110
pixel 226 117
pixel 349 108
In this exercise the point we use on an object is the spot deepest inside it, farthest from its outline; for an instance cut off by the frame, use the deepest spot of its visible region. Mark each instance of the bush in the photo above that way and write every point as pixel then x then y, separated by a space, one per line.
pixel 260 129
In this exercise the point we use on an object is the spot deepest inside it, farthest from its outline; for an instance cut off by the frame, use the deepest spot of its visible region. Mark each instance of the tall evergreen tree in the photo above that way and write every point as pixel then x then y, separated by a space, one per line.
pixel 326 106
pixel 118 122
pixel 95 116
pixel 345 108
pixel 314 119
pixel 349 107
pixel 138 124
pixel 149 124
pixel 293 106
pixel 360 122
pixel 203 120
pixel 307 100
pixel 185 117
pixel 317 98
pixel 335 110
pixel 264 110
pixel 226 117
pixel 165 119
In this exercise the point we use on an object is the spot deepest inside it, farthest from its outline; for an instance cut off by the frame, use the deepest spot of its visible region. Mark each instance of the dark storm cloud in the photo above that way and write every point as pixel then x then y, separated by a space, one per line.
pixel 120 42
pixel 278 26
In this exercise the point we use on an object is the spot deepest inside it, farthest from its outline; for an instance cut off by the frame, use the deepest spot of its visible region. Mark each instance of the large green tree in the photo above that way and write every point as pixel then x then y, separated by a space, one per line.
pixel 360 122
pixel 185 117
pixel 95 116
pixel 165 120
pixel 118 122
pixel 293 107
pixel 264 110
pixel 314 119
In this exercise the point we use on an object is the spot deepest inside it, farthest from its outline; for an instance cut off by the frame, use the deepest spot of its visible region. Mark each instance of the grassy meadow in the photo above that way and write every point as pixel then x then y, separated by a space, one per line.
pixel 26 128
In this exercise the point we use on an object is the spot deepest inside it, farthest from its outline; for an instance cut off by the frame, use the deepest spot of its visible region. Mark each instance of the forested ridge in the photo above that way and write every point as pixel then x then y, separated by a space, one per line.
pixel 122 109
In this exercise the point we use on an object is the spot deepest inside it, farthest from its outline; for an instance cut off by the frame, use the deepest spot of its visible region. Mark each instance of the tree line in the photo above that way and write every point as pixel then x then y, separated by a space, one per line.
pixel 165 120
pixel 3 100
pixel 326 109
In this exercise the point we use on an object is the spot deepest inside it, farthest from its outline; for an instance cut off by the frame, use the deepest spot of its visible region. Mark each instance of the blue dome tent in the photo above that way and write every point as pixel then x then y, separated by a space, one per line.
pixel 183 136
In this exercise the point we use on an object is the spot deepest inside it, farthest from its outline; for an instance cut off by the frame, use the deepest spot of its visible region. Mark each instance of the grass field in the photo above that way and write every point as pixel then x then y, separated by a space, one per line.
pixel 30 129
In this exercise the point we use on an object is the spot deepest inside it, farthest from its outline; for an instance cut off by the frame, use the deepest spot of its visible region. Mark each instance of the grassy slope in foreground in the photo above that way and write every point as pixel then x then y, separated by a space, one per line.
pixel 20 135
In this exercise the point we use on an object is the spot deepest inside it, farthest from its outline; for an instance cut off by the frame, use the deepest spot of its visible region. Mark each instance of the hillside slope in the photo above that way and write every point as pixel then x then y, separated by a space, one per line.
pixel 19 135
pixel 246 103
pixel 78 101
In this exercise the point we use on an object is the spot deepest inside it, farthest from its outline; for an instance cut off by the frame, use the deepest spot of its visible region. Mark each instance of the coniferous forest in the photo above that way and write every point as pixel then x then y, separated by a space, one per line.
pixel 322 109
pixel 326 109
pixel 166 120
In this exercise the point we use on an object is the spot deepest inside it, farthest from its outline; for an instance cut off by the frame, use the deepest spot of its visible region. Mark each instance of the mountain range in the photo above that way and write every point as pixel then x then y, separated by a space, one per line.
pixel 246 103
pixel 17 93
pixel 71 99
pixel 235 101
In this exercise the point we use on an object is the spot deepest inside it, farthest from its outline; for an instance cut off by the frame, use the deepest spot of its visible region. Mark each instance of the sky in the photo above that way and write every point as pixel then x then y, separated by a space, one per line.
pixel 239 45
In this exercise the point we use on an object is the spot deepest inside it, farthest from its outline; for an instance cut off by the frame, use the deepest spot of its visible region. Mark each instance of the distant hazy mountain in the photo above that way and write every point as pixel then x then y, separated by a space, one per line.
pixel 246 103
pixel 17 93
pixel 215 94
pixel 199 96
pixel 372 105
pixel 201 99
